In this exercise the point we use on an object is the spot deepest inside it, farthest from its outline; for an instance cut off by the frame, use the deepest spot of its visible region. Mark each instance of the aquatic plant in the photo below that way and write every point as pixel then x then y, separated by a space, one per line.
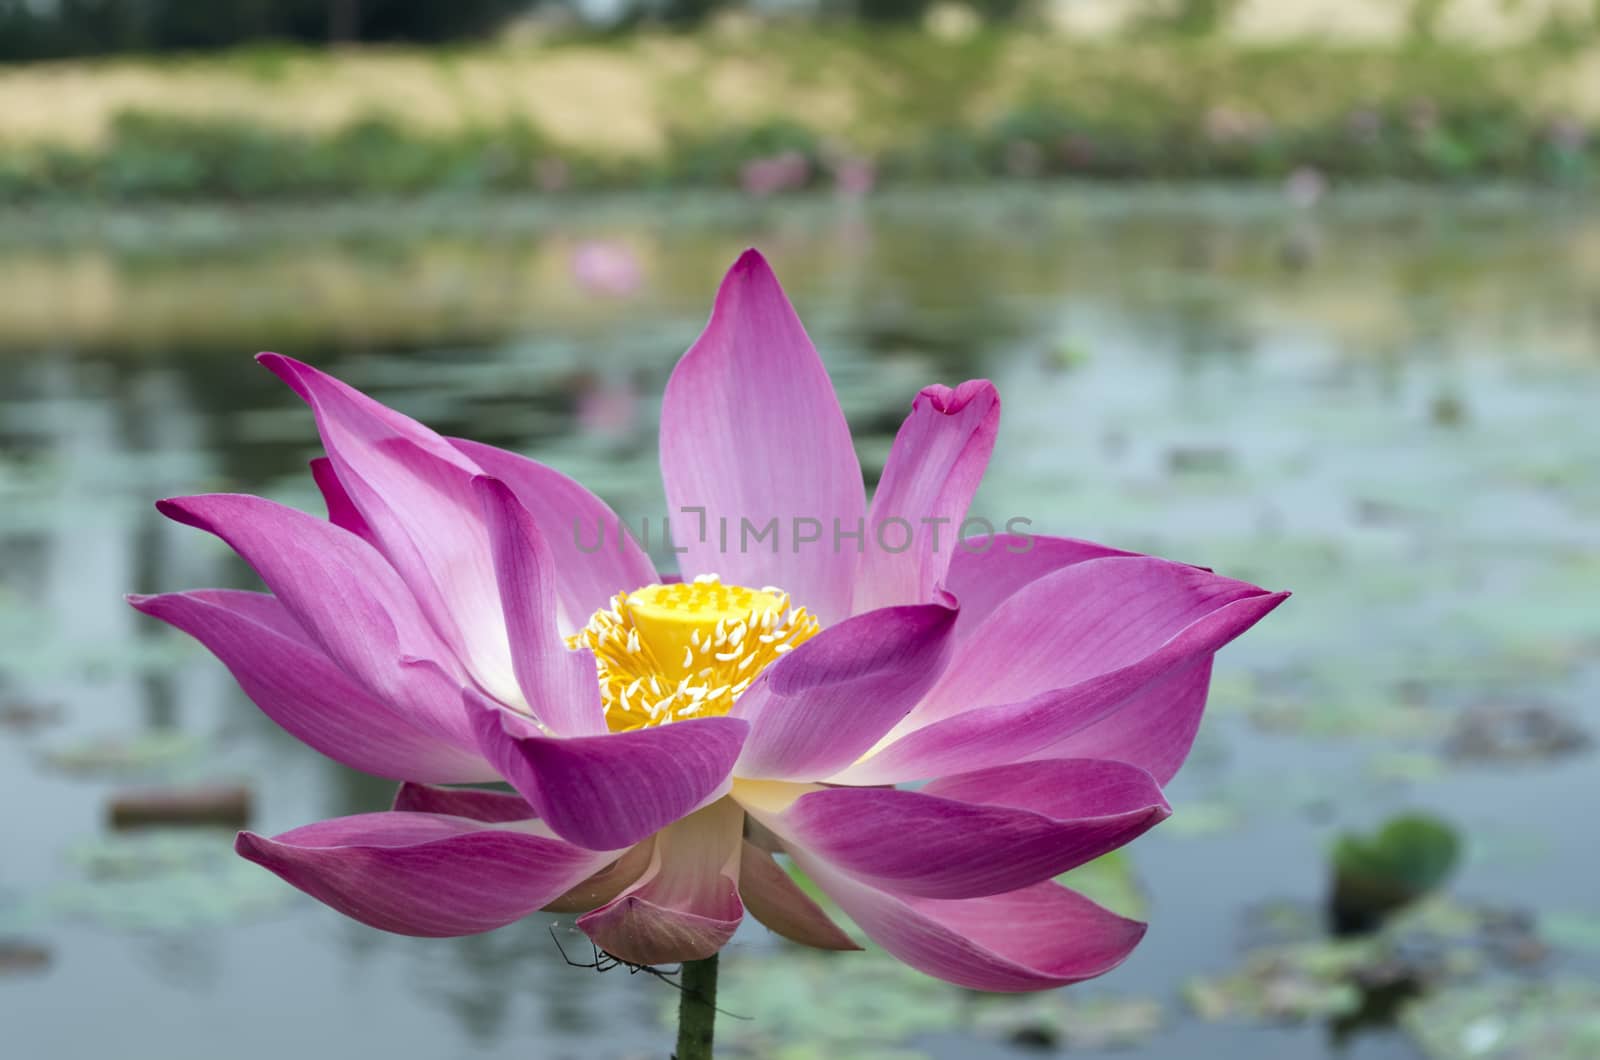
pixel 465 614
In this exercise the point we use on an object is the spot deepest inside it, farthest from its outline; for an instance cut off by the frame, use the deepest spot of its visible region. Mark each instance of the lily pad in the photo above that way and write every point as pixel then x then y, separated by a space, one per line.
pixel 1515 734
pixel 144 754
pixel 1073 1020
pixel 1375 875
pixel 176 901
pixel 1557 1020
pixel 1571 930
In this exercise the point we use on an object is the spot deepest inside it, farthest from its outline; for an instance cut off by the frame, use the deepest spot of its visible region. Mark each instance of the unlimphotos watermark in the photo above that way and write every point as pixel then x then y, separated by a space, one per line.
pixel 742 535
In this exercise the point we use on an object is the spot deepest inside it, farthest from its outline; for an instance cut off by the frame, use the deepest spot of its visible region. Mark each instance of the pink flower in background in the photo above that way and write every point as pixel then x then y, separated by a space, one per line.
pixel 608 407
pixel 763 177
pixel 447 625
pixel 607 268
pixel 854 177
pixel 1305 187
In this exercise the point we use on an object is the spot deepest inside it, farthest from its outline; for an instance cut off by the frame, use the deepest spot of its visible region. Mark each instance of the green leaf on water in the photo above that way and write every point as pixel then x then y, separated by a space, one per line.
pixel 1557 1020
pixel 1374 875
pixel 1415 851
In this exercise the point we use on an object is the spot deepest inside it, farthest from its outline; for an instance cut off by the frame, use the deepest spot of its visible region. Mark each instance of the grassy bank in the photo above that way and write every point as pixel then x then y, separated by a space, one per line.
pixel 781 109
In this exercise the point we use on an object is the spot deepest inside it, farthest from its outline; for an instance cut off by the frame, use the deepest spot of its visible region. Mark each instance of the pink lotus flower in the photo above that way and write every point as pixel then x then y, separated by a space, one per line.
pixel 446 625
pixel 607 268
pixel 773 175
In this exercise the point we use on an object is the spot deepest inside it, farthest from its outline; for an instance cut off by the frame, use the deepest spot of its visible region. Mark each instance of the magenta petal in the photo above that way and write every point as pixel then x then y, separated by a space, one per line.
pixel 933 470
pixel 1153 731
pixel 414 490
pixel 822 705
pixel 606 884
pixel 751 430
pixel 976 835
pixel 772 897
pixel 299 687
pixel 608 792
pixel 422 873
pixel 1077 623
pixel 349 601
pixel 1039 726
pixel 1031 939
pixel 342 512
pixel 987 569
pixel 558 684
pixel 686 905
pixel 594 555
pixel 493 807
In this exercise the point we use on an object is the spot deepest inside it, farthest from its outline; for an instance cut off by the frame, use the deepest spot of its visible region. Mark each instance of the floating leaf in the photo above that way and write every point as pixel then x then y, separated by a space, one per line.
pixel 1375 875
pixel 1509 1021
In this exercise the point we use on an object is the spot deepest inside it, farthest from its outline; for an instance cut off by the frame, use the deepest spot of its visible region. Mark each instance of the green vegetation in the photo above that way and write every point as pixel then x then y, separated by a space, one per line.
pixel 1375 875
pixel 784 110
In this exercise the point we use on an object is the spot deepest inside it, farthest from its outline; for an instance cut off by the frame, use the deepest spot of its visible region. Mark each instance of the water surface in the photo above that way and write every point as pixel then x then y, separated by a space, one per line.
pixel 1387 405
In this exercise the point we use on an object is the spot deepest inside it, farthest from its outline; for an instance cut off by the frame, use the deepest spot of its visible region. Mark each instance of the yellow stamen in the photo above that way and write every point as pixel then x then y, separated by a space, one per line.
pixel 669 652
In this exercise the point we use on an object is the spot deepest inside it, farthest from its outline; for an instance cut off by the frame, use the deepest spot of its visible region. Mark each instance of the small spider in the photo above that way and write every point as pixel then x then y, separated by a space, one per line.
pixel 605 962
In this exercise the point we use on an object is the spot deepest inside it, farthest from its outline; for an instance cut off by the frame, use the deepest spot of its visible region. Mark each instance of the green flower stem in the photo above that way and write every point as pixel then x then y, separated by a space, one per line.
pixel 697 1009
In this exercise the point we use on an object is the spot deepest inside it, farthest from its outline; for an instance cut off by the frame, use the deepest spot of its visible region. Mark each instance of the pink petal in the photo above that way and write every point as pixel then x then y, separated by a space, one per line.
pixel 422 873
pixel 1039 727
pixel 988 568
pixel 820 706
pixel 414 490
pixel 559 685
pixel 933 470
pixel 492 807
pixel 299 687
pixel 608 792
pixel 686 905
pixel 342 512
pixel 978 834
pixel 1073 624
pixel 751 430
pixel 349 602
pixel 606 884
pixel 1153 731
pixel 595 557
pixel 1031 939
pixel 772 897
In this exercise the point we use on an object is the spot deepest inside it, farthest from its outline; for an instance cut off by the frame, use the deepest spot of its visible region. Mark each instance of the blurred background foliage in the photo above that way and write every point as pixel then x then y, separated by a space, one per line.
pixel 310 100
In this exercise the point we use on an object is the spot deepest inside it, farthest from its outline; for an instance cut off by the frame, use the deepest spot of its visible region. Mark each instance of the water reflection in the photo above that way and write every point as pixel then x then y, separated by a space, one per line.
pixel 1397 423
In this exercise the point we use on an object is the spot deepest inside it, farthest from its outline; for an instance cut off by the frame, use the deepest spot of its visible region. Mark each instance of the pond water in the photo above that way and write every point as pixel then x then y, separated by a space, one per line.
pixel 1387 404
